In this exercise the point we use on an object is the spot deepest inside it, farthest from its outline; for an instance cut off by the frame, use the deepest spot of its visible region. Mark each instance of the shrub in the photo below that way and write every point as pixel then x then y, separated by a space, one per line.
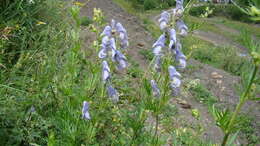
pixel 228 11
pixel 150 4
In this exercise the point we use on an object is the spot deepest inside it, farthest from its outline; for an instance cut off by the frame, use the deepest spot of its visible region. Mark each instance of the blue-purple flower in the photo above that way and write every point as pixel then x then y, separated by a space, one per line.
pixel 181 58
pixel 85 111
pixel 175 81
pixel 155 89
pixel 120 59
pixel 105 72
pixel 182 27
pixel 172 34
pixel 113 94
pixel 164 19
pixel 122 35
pixel 158 45
pixel 107 31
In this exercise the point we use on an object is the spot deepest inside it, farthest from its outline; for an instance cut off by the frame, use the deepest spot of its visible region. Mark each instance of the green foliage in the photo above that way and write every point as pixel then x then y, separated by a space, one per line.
pixel 228 11
pixel 150 4
pixel 222 57
pixel 202 94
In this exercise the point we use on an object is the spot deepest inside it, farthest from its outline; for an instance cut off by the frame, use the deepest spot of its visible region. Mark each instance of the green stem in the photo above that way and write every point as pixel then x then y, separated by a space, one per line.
pixel 156 127
pixel 242 101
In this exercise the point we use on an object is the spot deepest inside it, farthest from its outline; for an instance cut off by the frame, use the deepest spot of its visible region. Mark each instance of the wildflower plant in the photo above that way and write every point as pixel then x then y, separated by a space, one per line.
pixel 168 60
pixel 171 24
pixel 227 120
pixel 114 36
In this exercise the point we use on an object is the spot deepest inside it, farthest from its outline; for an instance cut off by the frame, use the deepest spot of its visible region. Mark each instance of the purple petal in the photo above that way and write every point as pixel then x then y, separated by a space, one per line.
pixel 105 71
pixel 121 60
pixel 160 42
pixel 85 111
pixel 105 41
pixel 107 31
pixel 155 89
pixel 173 73
pixel 157 51
pixel 181 58
pixel 172 34
pixel 102 53
pixel 182 27
pixel 165 16
pixel 123 40
pixel 113 94
pixel 163 25
pixel 120 28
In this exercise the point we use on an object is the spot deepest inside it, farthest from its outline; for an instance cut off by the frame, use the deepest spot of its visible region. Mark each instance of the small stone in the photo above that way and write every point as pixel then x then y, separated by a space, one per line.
pixel 215 75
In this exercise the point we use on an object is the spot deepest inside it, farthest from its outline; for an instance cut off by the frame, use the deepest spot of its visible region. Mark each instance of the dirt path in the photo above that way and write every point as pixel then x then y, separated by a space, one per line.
pixel 138 36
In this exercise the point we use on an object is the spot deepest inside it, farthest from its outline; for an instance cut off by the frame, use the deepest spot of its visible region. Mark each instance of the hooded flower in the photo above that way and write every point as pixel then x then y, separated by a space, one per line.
pixel 155 89
pixel 179 3
pixel 182 28
pixel 104 47
pixel 175 81
pixel 107 31
pixel 85 111
pixel 113 94
pixel 164 19
pixel 120 59
pixel 122 36
pixel 172 34
pixel 105 72
pixel 102 53
pixel 159 44
pixel 181 58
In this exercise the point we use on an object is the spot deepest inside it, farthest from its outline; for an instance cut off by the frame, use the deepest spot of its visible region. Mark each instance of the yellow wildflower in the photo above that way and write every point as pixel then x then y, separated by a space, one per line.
pixel 79 4
pixel 41 23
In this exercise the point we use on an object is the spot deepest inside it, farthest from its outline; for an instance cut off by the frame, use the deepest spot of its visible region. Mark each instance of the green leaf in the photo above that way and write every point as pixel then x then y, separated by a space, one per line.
pixel 255 99
pixel 232 139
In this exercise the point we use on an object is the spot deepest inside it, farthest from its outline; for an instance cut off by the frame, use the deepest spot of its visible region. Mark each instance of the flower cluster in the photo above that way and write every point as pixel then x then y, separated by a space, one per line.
pixel 172 25
pixel 113 33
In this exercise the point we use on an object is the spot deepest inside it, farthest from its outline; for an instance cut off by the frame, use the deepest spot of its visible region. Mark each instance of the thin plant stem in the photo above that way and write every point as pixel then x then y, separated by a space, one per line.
pixel 243 100
pixel 156 127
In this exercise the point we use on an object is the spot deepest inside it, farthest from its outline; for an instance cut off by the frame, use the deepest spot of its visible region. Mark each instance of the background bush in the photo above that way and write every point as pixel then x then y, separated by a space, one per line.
pixel 228 11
